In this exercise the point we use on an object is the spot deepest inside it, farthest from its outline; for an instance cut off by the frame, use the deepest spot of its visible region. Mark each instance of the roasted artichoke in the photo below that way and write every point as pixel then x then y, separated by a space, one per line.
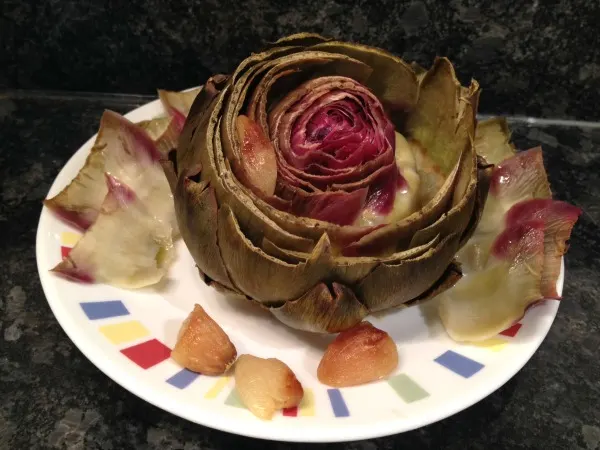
pixel 326 180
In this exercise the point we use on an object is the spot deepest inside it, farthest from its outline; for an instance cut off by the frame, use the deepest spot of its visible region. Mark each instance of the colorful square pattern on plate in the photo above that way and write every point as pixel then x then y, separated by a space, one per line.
pixel 153 352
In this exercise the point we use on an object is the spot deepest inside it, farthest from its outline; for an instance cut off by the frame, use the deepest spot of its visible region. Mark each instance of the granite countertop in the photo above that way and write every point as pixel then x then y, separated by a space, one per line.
pixel 534 57
pixel 53 397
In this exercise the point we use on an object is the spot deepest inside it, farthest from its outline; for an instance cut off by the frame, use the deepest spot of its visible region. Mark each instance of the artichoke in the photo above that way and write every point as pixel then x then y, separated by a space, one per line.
pixel 326 180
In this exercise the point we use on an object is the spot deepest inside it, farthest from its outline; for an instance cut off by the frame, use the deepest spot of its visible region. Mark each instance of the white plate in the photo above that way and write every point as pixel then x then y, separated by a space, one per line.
pixel 122 332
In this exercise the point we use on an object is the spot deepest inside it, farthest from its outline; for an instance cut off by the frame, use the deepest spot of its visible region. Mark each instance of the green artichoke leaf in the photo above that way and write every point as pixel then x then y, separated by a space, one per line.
pixel 391 285
pixel 200 148
pixel 250 267
pixel 323 309
pixel 310 65
pixel 286 64
pixel 464 199
pixel 392 81
pixel 452 275
pixel 196 208
pixel 187 155
pixel 300 40
pixel 433 122
pixel 347 270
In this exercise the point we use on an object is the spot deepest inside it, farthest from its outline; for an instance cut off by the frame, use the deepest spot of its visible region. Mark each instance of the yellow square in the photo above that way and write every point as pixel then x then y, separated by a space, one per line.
pixel 307 405
pixel 493 344
pixel 69 239
pixel 216 388
pixel 119 333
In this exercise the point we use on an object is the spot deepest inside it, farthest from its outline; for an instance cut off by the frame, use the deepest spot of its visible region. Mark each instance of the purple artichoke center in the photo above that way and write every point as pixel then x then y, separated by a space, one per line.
pixel 335 150
pixel 339 130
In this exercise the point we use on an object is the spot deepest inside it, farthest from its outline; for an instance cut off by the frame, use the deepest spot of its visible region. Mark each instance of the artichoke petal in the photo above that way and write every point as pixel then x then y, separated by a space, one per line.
pixel 472 182
pixel 163 132
pixel 250 266
pixel 465 210
pixel 433 121
pixel 484 177
pixel 460 213
pixel 124 150
pixel 452 275
pixel 516 179
pixel 402 232
pixel 559 219
pixel 323 309
pixel 199 114
pixel 393 81
pixel 196 207
pixel 419 70
pixel 300 39
pixel 492 140
pixel 178 104
pixel 201 151
pixel 390 285
pixel 489 301
pixel 127 246
pixel 229 292
pixel 343 269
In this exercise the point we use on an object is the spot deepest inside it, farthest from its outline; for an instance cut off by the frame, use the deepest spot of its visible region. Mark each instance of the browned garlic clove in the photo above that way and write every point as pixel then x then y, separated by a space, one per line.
pixel 266 385
pixel 202 345
pixel 357 356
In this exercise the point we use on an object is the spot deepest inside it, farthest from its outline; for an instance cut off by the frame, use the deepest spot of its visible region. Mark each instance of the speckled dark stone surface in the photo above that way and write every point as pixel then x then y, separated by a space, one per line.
pixel 53 397
pixel 539 58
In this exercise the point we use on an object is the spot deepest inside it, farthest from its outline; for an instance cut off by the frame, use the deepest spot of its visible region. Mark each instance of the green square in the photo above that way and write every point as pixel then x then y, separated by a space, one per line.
pixel 407 389
pixel 234 400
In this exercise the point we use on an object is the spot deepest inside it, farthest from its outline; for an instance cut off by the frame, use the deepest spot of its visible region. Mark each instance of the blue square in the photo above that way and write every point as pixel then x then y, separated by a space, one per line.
pixel 459 364
pixel 182 379
pixel 103 310
pixel 337 403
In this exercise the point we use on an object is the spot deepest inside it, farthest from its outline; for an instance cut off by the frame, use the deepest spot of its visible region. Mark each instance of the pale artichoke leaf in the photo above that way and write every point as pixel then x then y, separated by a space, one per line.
pixel 125 151
pixel 519 178
pixel 485 303
pixel 178 104
pixel 125 247
pixel 492 140
pixel 164 133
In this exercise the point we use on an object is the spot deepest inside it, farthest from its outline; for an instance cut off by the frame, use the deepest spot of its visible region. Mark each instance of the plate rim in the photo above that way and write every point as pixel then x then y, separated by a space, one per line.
pixel 258 429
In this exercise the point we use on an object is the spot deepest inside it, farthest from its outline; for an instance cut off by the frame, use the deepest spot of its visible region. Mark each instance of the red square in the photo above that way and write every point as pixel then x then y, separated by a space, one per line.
pixel 290 412
pixel 147 354
pixel 64 251
pixel 512 331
